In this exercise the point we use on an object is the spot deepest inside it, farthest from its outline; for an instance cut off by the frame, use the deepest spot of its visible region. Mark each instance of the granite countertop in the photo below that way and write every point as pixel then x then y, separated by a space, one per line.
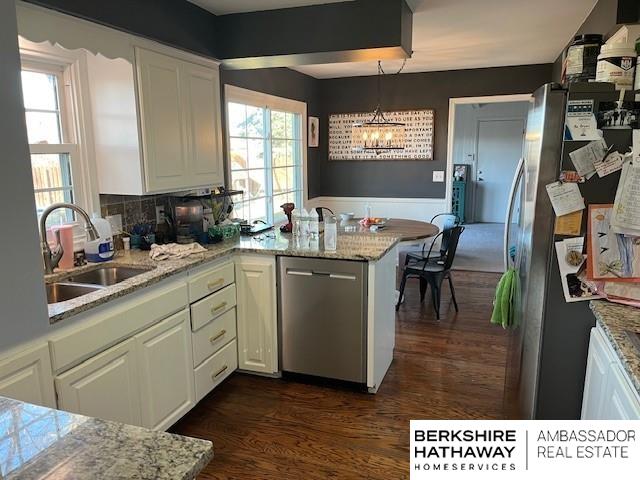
pixel 357 246
pixel 38 442
pixel 616 320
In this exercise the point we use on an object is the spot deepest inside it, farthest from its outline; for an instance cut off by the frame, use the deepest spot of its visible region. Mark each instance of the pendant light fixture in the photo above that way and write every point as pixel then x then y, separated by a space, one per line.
pixel 378 135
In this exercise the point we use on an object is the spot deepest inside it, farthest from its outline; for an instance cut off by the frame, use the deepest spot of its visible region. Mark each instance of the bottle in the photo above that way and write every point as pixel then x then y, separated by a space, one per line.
pixel 617 65
pixel 330 233
pixel 582 58
pixel 314 224
pixel 295 223
pixel 304 223
pixel 368 211
pixel 100 249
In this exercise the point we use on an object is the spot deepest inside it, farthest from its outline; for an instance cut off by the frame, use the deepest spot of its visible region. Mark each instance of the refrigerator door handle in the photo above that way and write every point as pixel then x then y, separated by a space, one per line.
pixel 512 200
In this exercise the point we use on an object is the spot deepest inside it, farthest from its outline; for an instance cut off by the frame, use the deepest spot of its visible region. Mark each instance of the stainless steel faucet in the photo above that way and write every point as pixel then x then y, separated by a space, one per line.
pixel 51 259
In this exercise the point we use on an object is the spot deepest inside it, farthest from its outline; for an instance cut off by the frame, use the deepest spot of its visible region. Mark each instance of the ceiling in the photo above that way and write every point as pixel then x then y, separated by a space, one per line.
pixel 458 34
pixel 222 7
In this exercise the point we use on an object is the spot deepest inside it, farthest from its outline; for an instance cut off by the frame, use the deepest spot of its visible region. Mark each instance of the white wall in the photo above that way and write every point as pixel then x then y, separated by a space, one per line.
pixel 465 138
pixel 23 305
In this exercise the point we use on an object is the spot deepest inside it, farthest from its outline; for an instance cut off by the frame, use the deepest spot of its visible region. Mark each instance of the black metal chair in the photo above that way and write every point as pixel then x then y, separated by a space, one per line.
pixel 449 220
pixel 432 271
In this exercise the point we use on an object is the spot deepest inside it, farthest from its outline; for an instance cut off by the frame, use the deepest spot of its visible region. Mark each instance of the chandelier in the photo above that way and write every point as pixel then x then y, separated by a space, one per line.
pixel 378 135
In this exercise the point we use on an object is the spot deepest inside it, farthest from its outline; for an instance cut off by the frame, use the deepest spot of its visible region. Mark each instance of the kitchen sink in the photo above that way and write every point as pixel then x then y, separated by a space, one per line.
pixel 60 292
pixel 107 275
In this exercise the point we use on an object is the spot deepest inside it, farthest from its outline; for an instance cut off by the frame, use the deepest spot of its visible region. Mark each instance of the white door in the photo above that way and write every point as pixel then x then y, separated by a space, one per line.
pixel 162 121
pixel 105 386
pixel 27 377
pixel 201 89
pixel 257 317
pixel 165 365
pixel 500 144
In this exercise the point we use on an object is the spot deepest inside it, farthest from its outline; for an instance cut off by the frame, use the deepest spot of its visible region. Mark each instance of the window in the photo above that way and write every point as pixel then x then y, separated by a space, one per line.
pixel 266 153
pixel 50 138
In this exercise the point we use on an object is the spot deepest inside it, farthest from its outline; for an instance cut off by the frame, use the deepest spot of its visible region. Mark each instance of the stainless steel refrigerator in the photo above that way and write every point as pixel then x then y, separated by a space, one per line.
pixel 547 351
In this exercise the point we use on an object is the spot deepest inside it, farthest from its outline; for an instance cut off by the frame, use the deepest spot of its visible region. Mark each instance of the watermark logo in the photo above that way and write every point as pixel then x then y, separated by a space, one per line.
pixel 476 449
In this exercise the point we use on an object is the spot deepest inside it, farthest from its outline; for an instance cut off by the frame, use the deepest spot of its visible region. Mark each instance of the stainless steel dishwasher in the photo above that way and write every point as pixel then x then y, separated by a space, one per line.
pixel 322 317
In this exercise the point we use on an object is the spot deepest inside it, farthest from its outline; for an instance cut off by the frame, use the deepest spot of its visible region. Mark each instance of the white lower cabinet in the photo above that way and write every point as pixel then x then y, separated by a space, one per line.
pixel 27 377
pixel 608 394
pixel 257 313
pixel 105 386
pixel 214 370
pixel 165 371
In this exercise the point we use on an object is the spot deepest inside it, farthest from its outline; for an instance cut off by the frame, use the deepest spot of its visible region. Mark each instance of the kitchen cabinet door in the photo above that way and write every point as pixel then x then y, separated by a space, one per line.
pixel 201 91
pixel 163 122
pixel 256 314
pixel 595 385
pixel 105 386
pixel 621 402
pixel 165 365
pixel 27 377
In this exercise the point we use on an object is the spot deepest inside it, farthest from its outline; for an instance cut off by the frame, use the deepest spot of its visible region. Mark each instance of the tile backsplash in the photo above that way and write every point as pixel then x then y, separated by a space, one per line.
pixel 133 209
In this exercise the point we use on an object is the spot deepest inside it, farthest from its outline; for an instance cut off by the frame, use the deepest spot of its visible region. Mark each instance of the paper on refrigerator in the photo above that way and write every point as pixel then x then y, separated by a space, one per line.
pixel 574 289
pixel 625 218
pixel 565 198
pixel 585 158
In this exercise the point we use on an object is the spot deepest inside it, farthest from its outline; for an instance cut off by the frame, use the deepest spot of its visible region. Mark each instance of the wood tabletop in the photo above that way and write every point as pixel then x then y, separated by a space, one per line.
pixel 407 230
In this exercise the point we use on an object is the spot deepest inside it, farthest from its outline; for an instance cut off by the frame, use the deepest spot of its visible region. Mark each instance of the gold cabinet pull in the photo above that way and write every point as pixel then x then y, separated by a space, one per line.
pixel 219 307
pixel 218 336
pixel 220 372
pixel 216 284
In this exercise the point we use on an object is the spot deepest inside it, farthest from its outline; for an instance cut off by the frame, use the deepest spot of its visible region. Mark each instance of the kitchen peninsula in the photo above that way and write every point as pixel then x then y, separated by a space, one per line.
pixel 47 443
pixel 163 334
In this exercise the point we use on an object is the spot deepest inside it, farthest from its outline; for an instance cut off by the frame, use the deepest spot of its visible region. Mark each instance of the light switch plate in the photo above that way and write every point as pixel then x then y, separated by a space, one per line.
pixel 438 176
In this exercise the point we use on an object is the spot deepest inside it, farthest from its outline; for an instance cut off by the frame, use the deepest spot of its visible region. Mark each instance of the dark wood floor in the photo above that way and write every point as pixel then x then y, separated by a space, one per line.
pixel 268 428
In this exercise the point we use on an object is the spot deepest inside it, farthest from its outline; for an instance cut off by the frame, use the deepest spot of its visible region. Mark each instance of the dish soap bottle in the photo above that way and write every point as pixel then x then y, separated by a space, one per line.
pixel 100 249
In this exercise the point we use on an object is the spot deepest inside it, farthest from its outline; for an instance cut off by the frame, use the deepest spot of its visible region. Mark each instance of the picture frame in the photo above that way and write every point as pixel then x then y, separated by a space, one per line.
pixel 314 132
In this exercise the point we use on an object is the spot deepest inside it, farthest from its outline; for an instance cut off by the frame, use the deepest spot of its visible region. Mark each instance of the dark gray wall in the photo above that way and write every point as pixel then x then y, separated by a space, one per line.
pixel 24 312
pixel 411 178
pixel 287 83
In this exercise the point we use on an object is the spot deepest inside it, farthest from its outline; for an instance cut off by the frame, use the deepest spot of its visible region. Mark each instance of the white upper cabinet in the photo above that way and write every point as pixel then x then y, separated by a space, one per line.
pixel 163 121
pixel 201 87
pixel 175 142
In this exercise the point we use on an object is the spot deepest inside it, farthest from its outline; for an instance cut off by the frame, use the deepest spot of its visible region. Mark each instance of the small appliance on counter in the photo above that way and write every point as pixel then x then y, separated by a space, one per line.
pixel 101 249
pixel 188 217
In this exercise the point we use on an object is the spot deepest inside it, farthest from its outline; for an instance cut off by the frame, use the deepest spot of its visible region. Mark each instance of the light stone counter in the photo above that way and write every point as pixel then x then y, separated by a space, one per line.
pixel 616 320
pixel 358 246
pixel 38 442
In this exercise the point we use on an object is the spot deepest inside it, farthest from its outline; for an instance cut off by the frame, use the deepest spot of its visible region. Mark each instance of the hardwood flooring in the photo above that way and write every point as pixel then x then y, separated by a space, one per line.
pixel 267 428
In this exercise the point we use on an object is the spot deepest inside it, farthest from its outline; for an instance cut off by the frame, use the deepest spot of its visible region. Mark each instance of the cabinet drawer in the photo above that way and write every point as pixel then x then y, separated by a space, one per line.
pixel 210 281
pixel 214 335
pixel 214 370
pixel 208 308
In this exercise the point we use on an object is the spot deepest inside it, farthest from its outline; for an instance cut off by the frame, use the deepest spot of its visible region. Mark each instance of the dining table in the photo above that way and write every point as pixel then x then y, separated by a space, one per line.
pixel 404 229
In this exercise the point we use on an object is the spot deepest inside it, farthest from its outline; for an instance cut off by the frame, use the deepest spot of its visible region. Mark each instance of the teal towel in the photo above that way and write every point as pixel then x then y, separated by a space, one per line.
pixel 504 302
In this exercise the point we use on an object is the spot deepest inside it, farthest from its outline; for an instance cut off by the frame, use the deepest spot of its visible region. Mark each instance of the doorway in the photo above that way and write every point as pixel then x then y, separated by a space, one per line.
pixel 500 143
pixel 486 135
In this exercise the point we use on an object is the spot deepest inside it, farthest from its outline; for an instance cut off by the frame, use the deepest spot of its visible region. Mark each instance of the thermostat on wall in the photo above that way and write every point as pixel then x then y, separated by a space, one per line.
pixel 438 176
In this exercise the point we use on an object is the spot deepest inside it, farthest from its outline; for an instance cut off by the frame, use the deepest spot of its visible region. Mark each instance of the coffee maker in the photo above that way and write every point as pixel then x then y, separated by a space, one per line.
pixel 188 217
